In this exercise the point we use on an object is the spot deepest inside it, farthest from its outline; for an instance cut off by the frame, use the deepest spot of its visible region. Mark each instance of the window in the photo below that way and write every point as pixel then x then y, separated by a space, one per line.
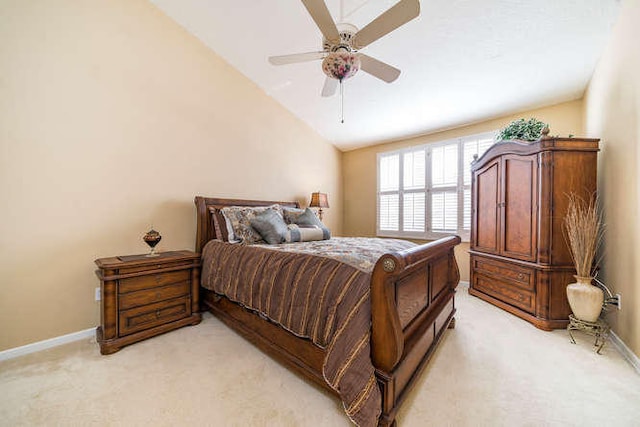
pixel 425 191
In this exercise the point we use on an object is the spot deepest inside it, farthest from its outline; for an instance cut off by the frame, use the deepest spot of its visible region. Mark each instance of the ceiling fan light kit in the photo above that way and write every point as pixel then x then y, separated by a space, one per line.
pixel 341 59
pixel 341 65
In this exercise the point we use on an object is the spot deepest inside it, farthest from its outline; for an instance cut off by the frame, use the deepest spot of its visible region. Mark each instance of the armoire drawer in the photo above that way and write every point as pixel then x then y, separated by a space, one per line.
pixel 505 291
pixel 519 276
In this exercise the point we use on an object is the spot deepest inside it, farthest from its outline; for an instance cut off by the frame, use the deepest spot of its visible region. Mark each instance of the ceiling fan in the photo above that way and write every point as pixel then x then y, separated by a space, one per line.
pixel 341 44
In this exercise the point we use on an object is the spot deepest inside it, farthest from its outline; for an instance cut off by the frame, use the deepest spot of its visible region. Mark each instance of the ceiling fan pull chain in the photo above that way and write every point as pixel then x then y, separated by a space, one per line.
pixel 341 103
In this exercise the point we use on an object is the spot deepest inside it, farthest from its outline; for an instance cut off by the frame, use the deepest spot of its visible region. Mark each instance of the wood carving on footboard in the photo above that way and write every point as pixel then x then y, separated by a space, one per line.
pixel 412 303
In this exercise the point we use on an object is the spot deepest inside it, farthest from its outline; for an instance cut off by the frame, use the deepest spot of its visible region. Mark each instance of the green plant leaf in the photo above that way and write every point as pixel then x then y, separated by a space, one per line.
pixel 527 130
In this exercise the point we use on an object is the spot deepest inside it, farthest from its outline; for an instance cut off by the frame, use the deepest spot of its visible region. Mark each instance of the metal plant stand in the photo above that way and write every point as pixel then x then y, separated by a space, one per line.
pixel 600 329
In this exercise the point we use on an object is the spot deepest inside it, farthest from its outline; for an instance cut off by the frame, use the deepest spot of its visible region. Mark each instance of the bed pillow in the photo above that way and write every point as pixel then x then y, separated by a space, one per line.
pixel 308 217
pixel 226 223
pixel 239 217
pixel 270 225
pixel 291 214
pixel 296 233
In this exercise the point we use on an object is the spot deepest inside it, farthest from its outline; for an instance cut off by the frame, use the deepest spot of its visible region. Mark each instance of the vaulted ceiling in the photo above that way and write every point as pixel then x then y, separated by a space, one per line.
pixel 462 61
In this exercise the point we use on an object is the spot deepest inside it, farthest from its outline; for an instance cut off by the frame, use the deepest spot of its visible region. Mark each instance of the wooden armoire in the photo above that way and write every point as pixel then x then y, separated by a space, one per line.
pixel 520 261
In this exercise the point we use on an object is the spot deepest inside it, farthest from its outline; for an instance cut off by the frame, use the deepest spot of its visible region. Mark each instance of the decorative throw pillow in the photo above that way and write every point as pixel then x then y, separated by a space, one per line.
pixel 308 217
pixel 297 233
pixel 226 222
pixel 270 225
pixel 291 214
pixel 240 219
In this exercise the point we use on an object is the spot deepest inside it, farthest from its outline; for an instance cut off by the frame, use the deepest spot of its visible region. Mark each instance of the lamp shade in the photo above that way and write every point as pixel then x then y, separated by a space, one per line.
pixel 319 200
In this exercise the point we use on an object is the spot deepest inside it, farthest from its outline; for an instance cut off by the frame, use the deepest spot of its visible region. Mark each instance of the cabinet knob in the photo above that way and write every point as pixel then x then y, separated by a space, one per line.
pixel 158 313
pixel 520 276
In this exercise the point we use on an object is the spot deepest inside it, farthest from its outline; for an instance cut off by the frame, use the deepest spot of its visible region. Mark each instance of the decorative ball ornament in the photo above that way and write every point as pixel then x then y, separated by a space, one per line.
pixel 341 65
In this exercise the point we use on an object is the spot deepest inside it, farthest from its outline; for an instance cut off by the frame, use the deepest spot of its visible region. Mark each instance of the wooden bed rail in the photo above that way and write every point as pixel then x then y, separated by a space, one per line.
pixel 386 326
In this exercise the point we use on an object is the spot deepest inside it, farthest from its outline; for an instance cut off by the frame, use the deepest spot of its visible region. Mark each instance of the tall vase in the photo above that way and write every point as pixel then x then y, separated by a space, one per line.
pixel 585 299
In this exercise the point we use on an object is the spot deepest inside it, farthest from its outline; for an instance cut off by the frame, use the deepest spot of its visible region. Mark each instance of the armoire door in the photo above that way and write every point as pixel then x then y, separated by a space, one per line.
pixel 519 206
pixel 486 214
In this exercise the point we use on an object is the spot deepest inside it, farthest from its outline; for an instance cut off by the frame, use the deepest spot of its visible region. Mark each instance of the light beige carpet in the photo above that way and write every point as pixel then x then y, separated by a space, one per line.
pixel 492 370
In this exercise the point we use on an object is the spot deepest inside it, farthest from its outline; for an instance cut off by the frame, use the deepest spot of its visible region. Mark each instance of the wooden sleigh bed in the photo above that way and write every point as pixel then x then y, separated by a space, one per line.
pixel 412 304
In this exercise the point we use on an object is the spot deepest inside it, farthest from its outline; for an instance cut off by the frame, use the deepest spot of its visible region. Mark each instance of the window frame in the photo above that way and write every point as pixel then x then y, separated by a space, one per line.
pixel 428 189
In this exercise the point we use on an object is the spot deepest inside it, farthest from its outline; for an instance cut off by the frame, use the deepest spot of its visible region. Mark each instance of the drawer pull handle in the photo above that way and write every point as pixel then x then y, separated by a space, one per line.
pixel 520 276
pixel 157 313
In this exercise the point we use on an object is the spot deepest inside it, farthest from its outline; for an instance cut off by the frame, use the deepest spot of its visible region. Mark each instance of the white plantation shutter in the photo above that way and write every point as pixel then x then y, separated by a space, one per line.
pixel 444 184
pixel 444 212
pixel 444 165
pixel 389 192
pixel 471 146
pixel 414 169
pixel 402 193
pixel 413 209
pixel 466 216
pixel 389 173
pixel 413 195
pixel 389 212
pixel 425 191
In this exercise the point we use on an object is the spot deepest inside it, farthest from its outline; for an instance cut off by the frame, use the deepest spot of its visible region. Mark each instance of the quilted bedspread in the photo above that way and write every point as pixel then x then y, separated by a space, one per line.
pixel 314 296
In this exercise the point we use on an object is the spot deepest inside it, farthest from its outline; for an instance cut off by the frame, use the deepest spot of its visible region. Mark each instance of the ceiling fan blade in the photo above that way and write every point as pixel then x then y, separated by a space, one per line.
pixel 296 57
pixel 322 17
pixel 330 86
pixel 401 13
pixel 378 69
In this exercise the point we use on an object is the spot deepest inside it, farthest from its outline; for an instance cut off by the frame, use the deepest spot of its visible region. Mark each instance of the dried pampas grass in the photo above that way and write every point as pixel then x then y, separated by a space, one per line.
pixel 583 229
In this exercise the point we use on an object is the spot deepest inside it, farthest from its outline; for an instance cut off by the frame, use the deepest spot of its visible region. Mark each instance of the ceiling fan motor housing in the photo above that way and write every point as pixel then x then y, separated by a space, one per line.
pixel 347 32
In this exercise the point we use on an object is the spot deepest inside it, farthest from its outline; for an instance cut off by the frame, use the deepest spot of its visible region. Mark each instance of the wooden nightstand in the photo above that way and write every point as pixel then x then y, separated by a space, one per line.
pixel 146 296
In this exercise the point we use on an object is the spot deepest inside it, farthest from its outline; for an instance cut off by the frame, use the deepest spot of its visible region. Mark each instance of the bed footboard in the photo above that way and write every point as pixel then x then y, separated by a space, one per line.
pixel 412 304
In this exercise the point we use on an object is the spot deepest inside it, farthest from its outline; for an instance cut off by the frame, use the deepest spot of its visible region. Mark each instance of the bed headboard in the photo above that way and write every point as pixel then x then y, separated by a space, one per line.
pixel 206 229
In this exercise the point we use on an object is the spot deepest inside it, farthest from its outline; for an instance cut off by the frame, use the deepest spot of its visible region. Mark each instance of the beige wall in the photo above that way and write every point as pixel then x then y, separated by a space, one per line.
pixel 612 112
pixel 359 167
pixel 112 118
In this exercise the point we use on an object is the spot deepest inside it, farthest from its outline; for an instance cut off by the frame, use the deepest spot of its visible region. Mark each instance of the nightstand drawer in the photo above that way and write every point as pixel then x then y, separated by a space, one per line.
pixel 148 316
pixel 152 295
pixel 158 266
pixel 153 280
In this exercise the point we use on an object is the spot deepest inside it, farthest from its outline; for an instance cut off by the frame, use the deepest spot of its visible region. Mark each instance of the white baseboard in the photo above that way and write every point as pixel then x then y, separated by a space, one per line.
pixel 43 345
pixel 625 351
